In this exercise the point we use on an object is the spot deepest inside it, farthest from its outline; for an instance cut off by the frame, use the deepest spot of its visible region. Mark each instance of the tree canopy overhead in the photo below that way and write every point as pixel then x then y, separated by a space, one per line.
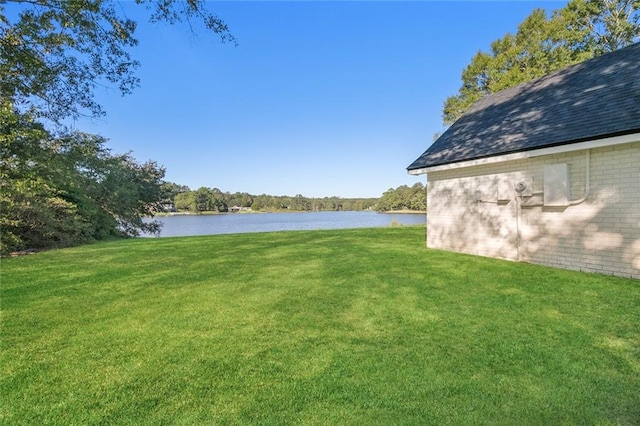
pixel 55 53
pixel 579 31
pixel 61 188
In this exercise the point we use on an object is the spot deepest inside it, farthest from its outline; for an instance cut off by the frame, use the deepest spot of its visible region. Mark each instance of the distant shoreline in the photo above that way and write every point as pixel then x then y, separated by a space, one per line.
pixel 404 212
pixel 211 213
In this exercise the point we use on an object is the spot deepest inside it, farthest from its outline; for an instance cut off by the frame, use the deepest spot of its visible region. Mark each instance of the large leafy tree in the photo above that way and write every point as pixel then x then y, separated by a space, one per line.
pixel 581 30
pixel 35 212
pixel 62 190
pixel 54 53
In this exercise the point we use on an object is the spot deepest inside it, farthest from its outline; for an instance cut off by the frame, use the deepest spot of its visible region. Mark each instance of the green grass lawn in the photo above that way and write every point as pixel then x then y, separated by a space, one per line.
pixel 321 327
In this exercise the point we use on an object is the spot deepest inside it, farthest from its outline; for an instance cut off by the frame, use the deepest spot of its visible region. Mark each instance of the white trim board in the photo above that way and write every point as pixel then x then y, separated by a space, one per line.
pixel 597 143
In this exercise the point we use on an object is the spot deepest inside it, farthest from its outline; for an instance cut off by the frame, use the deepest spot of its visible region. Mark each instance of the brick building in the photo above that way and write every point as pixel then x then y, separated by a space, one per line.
pixel 546 172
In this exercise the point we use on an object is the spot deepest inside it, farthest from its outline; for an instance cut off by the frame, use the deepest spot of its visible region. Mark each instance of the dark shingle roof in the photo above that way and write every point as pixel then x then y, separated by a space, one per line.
pixel 591 100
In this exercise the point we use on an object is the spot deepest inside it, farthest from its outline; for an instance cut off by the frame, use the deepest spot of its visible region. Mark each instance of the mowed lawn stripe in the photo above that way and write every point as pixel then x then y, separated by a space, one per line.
pixel 359 326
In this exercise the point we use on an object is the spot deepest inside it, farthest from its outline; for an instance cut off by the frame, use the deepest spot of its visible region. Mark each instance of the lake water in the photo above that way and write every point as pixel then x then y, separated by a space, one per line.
pixel 233 223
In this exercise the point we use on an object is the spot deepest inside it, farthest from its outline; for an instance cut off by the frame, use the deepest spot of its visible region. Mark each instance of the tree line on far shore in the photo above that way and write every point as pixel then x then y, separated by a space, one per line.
pixel 180 198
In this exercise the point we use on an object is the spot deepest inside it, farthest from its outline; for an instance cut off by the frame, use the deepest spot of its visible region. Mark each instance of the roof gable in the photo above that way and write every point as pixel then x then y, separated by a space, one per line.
pixel 594 99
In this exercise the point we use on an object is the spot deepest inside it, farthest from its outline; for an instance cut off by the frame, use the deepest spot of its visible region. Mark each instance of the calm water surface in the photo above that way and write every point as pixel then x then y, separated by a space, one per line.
pixel 187 225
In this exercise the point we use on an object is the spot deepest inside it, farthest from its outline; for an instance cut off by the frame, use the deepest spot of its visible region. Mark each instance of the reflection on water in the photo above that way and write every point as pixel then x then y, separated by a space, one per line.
pixel 186 225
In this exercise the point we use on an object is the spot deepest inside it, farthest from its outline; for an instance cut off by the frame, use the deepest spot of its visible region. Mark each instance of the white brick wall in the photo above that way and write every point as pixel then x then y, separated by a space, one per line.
pixel 600 235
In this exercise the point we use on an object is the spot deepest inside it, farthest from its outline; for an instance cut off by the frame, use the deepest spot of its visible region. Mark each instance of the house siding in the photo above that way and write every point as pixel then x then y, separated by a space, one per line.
pixel 476 210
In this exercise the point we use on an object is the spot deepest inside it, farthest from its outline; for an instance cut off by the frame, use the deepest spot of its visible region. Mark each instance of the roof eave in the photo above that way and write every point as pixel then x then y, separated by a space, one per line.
pixel 558 149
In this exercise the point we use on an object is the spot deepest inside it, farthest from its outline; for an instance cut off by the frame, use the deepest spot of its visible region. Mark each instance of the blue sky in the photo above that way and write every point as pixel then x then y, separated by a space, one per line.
pixel 318 98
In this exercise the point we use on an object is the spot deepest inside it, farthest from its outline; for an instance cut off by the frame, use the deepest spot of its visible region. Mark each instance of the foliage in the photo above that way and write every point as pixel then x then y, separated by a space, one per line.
pixel 541 45
pixel 170 191
pixel 214 200
pixel 404 198
pixel 68 188
pixel 341 327
pixel 61 190
pixel 301 203
pixel 55 53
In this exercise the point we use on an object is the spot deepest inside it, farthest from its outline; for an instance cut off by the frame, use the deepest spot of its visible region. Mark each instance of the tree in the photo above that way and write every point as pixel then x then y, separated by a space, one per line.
pixel 541 45
pixel 300 203
pixel 203 199
pixel 170 191
pixel 67 189
pixel 35 213
pixel 240 199
pixel 120 191
pixel 185 201
pixel 607 25
pixel 54 53
pixel 404 198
